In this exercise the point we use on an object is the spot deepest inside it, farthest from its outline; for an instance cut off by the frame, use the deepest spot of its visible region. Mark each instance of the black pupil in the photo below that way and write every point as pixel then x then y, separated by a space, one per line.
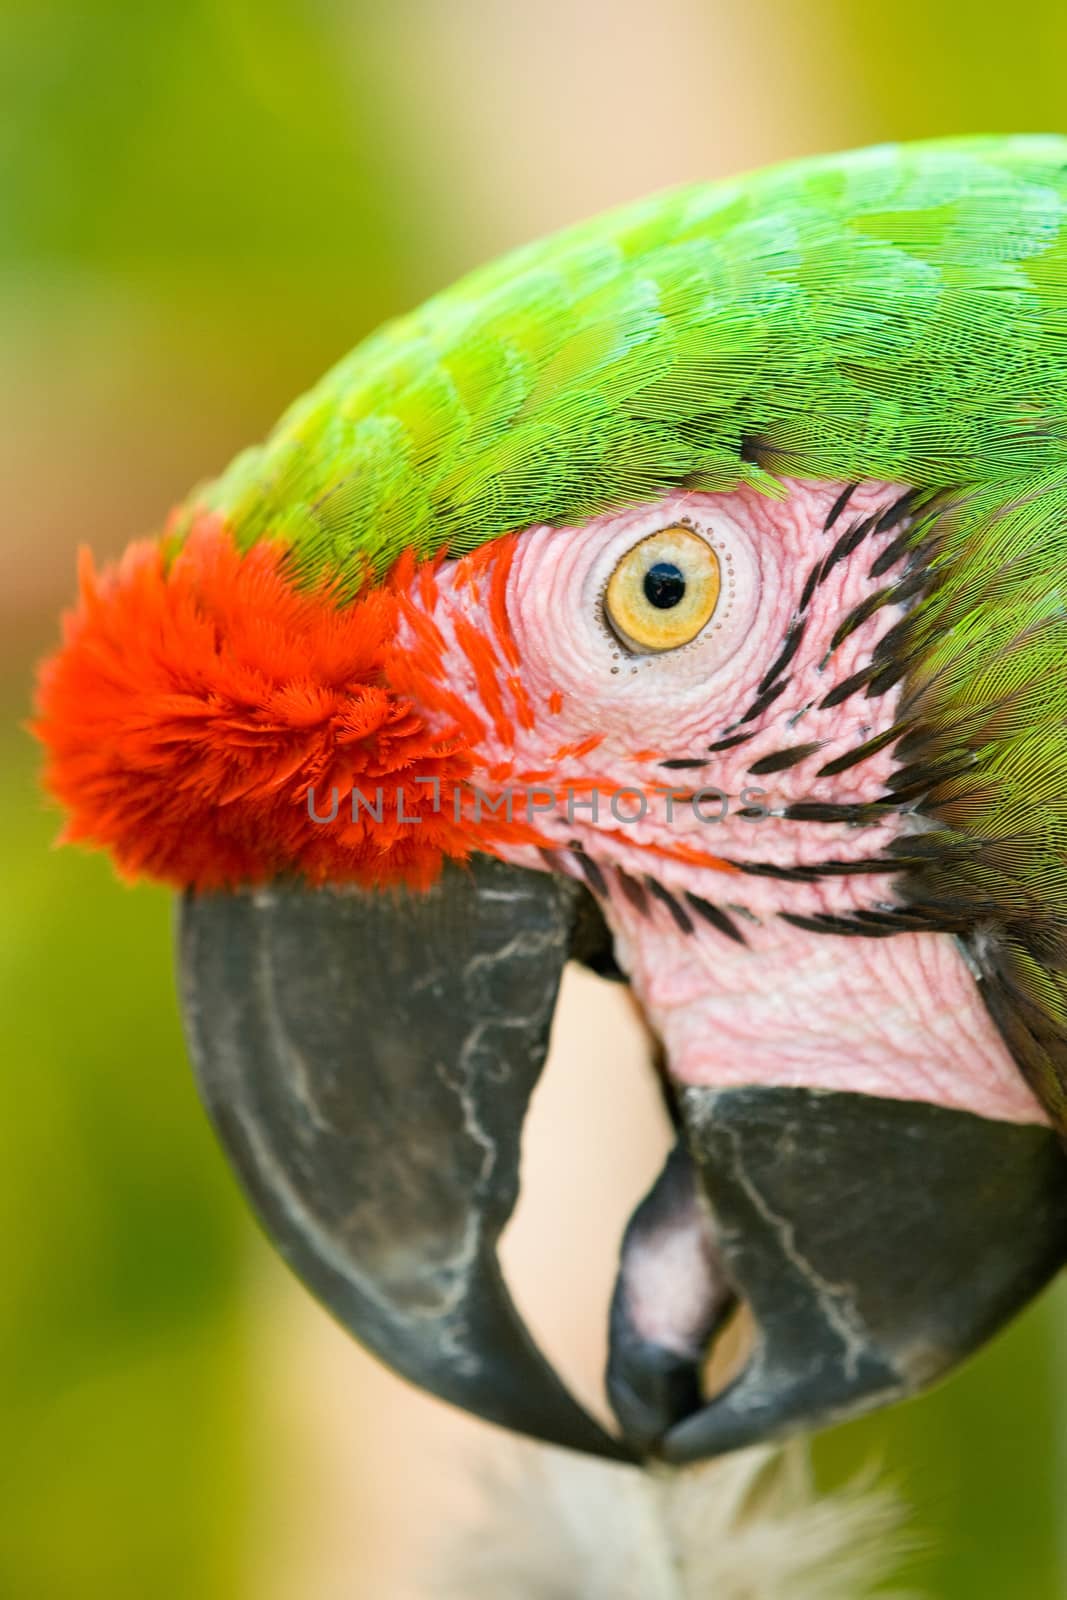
pixel 664 585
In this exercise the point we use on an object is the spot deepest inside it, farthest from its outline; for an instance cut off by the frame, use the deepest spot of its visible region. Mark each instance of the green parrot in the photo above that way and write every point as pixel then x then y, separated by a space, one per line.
pixel 680 595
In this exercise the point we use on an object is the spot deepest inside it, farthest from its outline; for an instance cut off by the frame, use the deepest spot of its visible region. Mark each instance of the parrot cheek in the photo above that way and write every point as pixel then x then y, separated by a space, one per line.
pixel 899 1017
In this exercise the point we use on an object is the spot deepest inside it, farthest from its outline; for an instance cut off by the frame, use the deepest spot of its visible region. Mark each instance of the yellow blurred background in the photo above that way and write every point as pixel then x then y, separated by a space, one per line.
pixel 201 206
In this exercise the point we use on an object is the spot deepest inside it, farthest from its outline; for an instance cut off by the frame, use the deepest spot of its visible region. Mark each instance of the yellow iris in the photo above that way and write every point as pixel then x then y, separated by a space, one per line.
pixel 664 590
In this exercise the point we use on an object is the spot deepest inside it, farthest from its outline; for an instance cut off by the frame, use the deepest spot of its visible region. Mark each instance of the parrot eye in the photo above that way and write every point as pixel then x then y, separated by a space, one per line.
pixel 664 590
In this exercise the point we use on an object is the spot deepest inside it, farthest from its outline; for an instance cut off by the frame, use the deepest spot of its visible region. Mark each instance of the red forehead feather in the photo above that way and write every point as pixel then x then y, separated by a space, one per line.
pixel 192 707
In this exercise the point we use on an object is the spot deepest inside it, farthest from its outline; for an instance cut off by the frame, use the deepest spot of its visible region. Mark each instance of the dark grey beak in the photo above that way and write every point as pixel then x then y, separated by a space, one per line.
pixel 367 1062
pixel 368 1059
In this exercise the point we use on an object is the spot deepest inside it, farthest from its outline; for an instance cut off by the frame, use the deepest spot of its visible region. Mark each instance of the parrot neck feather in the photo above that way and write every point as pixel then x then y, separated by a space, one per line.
pixel 750 1526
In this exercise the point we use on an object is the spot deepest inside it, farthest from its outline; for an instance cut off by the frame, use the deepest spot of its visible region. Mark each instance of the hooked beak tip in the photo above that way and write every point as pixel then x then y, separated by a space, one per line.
pixel 362 1063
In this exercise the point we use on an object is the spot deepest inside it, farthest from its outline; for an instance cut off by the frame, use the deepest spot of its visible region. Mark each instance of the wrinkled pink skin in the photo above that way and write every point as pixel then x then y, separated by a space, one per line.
pixel 899 1017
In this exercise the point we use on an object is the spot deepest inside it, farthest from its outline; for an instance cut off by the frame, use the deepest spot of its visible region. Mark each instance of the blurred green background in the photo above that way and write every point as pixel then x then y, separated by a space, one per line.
pixel 202 205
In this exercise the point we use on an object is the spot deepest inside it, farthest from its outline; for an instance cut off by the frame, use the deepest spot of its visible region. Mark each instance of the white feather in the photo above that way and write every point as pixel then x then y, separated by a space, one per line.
pixel 749 1526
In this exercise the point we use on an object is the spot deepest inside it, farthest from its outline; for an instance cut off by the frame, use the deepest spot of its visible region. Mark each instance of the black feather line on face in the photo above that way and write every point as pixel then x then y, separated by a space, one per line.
pixel 769 869
pixel 859 614
pixel 870 747
pixel 845 546
pixel 871 924
pixel 716 917
pixel 590 870
pixel 784 656
pixel 823 922
pixel 734 738
pixel 859 812
pixel 902 921
pixel 863 865
pixel 896 512
pixel 847 687
pixel 911 582
pixel 839 505
pixel 634 892
pixel 760 704
pixel 690 763
pixel 809 587
pixel 769 688
pixel 637 893
pixel 782 760
pixel 664 896
pixel 892 555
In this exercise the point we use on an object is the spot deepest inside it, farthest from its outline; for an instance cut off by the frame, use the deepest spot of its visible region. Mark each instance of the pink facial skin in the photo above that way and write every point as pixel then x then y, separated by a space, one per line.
pixel 739 995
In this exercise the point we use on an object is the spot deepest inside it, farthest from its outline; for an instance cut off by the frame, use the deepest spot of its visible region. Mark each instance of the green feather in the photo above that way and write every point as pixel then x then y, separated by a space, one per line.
pixel 893 313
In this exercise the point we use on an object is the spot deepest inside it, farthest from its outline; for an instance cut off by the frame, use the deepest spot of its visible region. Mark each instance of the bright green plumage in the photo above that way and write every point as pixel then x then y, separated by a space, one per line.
pixel 894 313
pixel 898 313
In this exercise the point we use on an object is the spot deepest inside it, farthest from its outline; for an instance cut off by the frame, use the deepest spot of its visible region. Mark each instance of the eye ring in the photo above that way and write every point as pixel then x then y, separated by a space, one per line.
pixel 664 590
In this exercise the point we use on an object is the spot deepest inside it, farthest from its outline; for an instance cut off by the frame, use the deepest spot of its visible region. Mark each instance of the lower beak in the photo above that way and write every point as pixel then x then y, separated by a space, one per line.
pixel 367 1059
pixel 876 1243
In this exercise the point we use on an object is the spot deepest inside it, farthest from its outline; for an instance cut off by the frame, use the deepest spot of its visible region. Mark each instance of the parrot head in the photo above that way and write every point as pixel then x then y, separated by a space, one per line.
pixel 680 595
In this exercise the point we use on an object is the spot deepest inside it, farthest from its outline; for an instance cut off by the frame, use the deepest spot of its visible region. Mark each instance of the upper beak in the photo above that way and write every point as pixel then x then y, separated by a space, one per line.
pixel 368 1058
